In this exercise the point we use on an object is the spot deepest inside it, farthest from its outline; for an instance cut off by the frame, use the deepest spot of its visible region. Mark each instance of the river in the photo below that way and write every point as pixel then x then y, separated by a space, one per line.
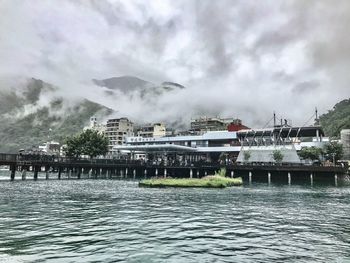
pixel 115 221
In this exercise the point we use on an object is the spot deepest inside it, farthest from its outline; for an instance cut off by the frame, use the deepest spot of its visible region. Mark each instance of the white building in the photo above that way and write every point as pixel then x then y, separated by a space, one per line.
pixel 116 132
pixel 211 145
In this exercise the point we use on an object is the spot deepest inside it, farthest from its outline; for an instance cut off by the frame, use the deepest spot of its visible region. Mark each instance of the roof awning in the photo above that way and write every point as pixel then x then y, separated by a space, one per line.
pixel 155 148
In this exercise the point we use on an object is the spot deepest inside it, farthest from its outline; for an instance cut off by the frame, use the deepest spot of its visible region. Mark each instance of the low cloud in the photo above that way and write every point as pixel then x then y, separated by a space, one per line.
pixel 242 59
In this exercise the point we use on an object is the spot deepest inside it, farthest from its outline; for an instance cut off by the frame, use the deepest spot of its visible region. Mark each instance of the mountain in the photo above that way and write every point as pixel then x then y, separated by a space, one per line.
pixel 33 114
pixel 336 119
pixel 129 85
pixel 124 83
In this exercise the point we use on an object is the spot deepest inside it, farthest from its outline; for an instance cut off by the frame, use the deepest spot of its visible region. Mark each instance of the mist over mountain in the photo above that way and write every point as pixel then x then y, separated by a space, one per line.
pixel 33 113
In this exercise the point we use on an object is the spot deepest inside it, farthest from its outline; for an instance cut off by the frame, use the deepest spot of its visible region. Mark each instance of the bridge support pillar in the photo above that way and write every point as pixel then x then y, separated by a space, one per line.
pixel 197 173
pixel 250 177
pixel 36 170
pixel 191 173
pixel 13 172
pixel 47 172
pixel 311 179
pixel 336 180
pixel 165 172
pixel 121 173
pixel 145 173
pixel 289 179
pixel 79 172
pixel 232 174
pixel 156 172
pixel 69 173
pixel 24 173
pixel 134 174
pixel 269 178
pixel 126 172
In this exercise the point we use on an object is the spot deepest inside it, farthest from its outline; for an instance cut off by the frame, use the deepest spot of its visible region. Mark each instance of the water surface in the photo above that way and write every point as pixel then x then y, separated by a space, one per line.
pixel 115 221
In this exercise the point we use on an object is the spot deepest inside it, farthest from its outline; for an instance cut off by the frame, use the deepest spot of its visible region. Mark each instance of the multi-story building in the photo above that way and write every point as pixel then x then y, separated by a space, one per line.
pixel 205 124
pixel 116 131
pixel 94 125
pixel 155 130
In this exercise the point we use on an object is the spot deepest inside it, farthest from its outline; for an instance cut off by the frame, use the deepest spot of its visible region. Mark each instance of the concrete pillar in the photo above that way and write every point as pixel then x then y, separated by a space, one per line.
pixel 89 173
pixel 107 173
pixel 126 172
pixel 145 173
pixel 134 173
pixel 165 172
pixel 289 179
pixel 269 178
pixel 59 173
pixel 205 173
pixel 250 177
pixel 156 172
pixel 312 179
pixel 13 172
pixel 232 174
pixel 191 173
pixel 197 173
pixel 121 173
pixel 336 180
pixel 79 172
pixel 69 173
pixel 36 170
pixel 47 173
pixel 24 173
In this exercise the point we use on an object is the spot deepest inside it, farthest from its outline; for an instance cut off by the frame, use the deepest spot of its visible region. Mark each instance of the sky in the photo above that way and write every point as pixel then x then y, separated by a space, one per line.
pixel 243 59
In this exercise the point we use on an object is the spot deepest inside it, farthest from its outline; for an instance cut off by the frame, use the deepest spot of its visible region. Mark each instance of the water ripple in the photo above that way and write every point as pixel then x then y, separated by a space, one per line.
pixel 115 221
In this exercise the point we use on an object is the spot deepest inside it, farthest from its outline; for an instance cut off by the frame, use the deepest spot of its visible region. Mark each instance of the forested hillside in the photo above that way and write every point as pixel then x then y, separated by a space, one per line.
pixel 336 119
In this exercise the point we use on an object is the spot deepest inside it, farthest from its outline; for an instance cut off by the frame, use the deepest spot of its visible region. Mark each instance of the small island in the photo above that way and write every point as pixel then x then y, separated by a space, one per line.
pixel 218 180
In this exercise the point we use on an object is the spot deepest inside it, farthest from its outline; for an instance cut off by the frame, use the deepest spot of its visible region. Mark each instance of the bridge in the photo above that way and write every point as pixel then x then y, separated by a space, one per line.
pixel 136 169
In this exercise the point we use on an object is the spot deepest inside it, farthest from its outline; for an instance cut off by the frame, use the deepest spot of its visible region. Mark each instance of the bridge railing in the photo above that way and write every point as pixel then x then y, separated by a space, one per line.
pixel 8 157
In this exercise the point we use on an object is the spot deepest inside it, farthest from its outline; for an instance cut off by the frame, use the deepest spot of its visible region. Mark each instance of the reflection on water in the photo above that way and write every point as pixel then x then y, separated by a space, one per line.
pixel 111 221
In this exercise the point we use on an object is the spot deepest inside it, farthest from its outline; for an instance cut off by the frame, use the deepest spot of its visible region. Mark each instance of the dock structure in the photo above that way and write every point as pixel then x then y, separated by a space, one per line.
pixel 55 167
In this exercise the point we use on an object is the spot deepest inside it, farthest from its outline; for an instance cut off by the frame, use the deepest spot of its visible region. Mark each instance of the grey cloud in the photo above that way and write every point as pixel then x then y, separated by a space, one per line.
pixel 236 58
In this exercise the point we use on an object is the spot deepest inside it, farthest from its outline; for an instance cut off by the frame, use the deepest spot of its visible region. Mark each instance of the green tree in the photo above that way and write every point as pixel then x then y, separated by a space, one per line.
pixel 310 153
pixel 89 142
pixel 73 147
pixel 333 151
pixel 277 156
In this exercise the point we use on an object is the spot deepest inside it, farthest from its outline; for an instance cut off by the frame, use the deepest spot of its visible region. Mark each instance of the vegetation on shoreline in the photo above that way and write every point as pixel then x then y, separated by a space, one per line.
pixel 214 181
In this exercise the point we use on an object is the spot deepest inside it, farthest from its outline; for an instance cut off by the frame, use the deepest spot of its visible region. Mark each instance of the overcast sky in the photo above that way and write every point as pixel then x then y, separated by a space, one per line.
pixel 237 58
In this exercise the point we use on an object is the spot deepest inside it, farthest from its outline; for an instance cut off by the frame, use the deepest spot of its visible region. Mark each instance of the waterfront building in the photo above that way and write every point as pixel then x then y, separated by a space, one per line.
pixel 345 141
pixel 151 130
pixel 226 145
pixel 116 131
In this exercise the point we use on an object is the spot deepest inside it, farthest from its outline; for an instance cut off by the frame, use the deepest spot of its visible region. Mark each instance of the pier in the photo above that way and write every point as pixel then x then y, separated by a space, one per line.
pixel 56 167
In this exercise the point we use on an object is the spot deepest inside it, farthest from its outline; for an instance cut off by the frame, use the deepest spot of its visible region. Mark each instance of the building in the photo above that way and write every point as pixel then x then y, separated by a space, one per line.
pixel 345 141
pixel 51 148
pixel 213 145
pixel 205 124
pixel 116 131
pixel 152 130
pixel 94 125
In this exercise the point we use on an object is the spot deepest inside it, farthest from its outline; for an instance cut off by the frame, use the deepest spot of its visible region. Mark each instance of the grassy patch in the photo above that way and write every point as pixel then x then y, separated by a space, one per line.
pixel 206 182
